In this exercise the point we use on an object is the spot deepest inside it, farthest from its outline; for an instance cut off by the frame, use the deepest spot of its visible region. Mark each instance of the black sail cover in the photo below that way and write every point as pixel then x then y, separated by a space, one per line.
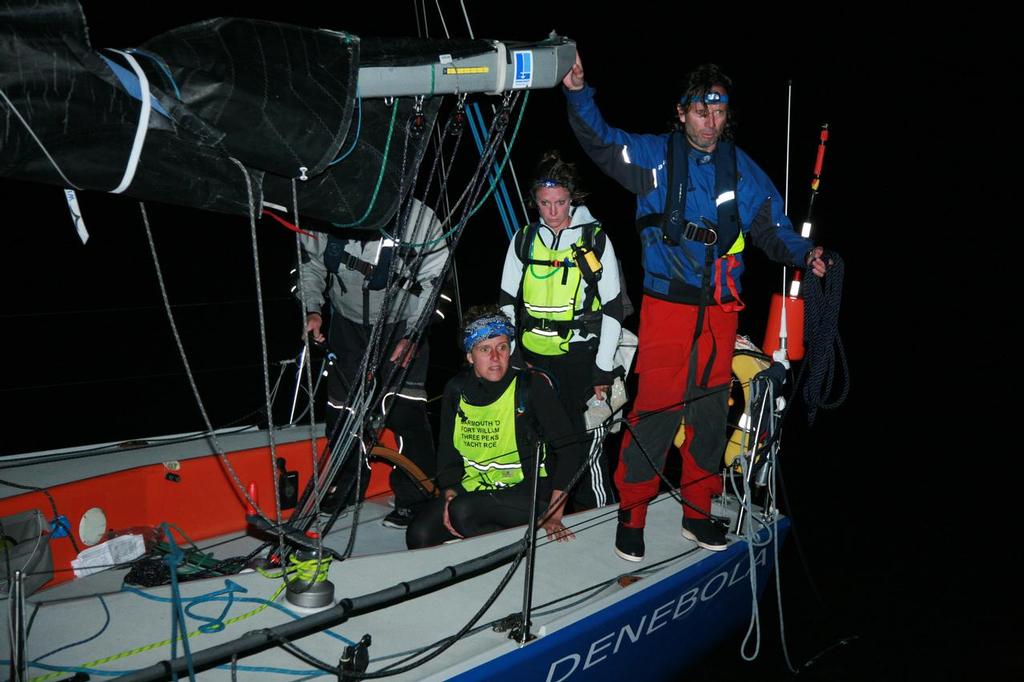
pixel 278 99
pixel 282 95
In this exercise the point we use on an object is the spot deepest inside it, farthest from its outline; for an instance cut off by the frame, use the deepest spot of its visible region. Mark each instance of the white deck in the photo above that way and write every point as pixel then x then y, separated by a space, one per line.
pixel 66 615
pixel 561 569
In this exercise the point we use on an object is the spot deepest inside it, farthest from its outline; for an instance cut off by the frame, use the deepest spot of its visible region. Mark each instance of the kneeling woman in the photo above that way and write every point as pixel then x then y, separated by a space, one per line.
pixel 492 419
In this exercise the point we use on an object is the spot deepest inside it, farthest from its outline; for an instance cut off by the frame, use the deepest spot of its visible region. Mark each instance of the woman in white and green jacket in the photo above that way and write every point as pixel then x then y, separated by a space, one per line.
pixel 561 285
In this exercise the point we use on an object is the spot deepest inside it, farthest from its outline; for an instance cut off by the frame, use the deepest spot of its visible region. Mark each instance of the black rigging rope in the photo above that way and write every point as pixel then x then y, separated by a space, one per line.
pixel 822 297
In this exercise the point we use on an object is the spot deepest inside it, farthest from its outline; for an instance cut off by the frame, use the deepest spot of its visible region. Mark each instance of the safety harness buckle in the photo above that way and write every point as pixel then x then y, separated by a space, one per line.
pixel 695 233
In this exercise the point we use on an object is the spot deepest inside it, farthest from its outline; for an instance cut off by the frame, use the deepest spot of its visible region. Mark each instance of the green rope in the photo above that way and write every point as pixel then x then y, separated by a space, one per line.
pixel 380 176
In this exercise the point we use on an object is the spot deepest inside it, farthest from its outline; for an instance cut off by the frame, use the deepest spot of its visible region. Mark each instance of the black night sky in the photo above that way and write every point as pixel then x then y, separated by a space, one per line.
pixel 887 492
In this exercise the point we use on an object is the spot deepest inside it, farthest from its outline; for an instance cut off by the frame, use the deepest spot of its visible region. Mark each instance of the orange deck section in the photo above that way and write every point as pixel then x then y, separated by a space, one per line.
pixel 200 497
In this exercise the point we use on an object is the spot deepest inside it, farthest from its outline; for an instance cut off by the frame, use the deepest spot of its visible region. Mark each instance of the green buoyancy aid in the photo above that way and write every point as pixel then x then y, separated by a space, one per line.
pixel 552 295
pixel 485 436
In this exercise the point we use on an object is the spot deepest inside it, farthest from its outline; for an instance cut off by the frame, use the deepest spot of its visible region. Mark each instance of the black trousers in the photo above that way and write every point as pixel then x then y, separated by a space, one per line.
pixel 476 513
pixel 572 375
pixel 407 417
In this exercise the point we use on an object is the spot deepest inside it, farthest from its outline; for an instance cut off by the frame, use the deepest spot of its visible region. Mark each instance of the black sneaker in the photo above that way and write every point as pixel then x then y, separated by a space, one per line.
pixel 400 518
pixel 629 543
pixel 706 533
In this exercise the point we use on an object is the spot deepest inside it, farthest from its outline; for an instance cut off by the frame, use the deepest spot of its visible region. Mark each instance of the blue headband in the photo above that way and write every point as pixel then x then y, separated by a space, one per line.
pixel 548 182
pixel 486 327
pixel 710 97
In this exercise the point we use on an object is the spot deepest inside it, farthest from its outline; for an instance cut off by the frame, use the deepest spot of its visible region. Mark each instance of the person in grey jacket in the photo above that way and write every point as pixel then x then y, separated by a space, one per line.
pixel 355 270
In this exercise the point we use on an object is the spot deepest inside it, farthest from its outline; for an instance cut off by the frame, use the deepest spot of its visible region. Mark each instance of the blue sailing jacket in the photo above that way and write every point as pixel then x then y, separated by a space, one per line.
pixel 639 162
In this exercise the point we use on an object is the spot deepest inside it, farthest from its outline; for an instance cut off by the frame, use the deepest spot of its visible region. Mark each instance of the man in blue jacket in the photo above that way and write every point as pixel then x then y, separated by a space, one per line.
pixel 699 199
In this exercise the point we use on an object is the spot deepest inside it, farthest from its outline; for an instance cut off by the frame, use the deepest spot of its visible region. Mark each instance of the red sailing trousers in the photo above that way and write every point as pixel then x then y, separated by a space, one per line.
pixel 663 361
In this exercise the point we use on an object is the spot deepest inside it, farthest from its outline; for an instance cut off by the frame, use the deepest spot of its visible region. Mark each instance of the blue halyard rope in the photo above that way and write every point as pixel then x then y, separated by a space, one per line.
pixel 103 629
pixel 217 596
pixel 359 127
pixel 513 219
pixel 478 140
pixel 172 560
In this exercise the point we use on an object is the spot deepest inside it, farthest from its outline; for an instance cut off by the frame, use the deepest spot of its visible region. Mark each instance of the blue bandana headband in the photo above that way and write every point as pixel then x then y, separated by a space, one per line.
pixel 710 97
pixel 486 327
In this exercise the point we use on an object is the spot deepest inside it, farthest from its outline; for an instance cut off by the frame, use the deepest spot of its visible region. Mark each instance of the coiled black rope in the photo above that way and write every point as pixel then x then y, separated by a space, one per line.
pixel 822 298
